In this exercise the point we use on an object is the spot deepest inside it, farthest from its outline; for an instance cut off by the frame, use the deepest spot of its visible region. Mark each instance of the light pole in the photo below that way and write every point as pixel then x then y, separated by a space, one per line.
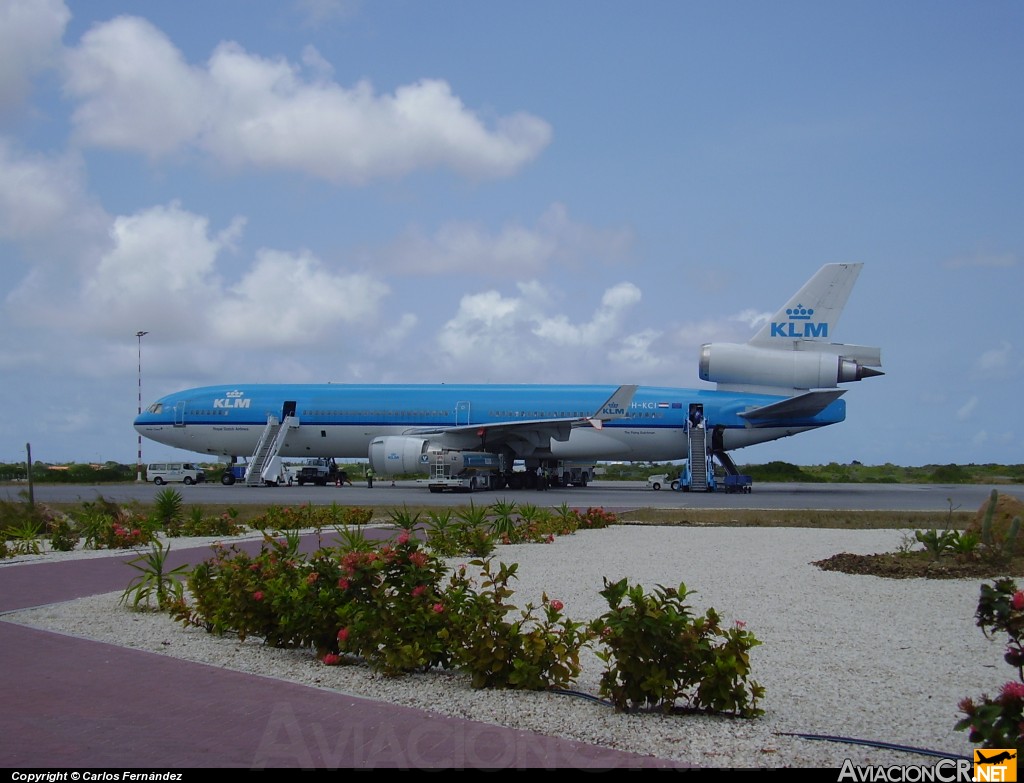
pixel 138 464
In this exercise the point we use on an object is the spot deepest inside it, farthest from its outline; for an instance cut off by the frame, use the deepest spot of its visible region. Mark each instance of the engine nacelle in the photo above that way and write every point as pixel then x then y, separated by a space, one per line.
pixel 748 365
pixel 393 454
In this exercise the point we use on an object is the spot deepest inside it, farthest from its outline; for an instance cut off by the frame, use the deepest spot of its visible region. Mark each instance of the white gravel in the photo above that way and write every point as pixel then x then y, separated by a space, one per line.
pixel 880 663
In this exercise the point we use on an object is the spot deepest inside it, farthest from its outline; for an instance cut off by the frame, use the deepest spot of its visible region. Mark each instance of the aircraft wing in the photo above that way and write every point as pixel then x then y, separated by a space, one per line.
pixel 530 434
pixel 800 407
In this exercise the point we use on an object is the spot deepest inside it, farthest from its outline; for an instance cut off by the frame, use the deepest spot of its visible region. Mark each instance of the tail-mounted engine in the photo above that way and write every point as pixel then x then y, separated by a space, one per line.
pixel 807 365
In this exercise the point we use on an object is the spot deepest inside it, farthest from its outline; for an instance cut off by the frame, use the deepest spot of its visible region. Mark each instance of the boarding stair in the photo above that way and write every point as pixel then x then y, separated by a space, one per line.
pixel 269 446
pixel 697 459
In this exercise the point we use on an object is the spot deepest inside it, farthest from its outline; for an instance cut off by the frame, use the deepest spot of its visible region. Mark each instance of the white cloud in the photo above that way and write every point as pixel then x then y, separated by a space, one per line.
pixel 510 338
pixel 138 93
pixel 136 90
pixel 316 13
pixel 966 410
pixel 984 260
pixel 514 251
pixel 995 359
pixel 30 34
pixel 44 197
pixel 292 299
pixel 162 265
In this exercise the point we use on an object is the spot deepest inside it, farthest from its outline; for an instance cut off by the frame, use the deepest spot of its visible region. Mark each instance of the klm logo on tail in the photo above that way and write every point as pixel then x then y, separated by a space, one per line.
pixel 799 325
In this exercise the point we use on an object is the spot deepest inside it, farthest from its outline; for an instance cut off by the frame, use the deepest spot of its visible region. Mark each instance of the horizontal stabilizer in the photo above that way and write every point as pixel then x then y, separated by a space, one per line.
pixel 800 407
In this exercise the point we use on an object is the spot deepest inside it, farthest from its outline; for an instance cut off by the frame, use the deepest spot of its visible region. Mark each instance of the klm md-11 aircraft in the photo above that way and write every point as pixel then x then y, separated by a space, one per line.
pixel 782 382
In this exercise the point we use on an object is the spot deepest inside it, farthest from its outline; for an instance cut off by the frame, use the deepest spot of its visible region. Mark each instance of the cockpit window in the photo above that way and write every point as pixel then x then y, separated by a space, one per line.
pixel 156 407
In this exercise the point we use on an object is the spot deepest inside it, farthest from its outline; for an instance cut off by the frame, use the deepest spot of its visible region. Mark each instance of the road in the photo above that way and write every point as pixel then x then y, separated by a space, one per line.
pixel 611 495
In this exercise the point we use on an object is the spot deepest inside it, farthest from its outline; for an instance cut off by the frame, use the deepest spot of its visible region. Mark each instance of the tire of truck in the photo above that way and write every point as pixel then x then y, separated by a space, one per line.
pixel 187 481
pixel 675 485
pixel 227 479
pixel 158 481
pixel 435 490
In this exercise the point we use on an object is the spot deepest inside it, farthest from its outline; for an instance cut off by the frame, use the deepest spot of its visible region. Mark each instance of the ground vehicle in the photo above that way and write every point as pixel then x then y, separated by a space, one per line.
pixel 470 471
pixel 165 472
pixel 737 483
pixel 461 471
pixel 660 480
pixel 274 474
pixel 319 470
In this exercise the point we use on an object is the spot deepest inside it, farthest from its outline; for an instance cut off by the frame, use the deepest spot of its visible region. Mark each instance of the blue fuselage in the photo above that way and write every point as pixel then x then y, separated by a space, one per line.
pixel 340 420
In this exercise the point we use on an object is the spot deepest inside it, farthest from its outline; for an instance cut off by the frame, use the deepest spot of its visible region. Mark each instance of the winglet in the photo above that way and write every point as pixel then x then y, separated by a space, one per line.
pixel 614 407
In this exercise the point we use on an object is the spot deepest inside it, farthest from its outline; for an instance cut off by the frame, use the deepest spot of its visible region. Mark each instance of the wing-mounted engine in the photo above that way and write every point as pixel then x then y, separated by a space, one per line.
pixel 394 454
pixel 403 454
pixel 802 365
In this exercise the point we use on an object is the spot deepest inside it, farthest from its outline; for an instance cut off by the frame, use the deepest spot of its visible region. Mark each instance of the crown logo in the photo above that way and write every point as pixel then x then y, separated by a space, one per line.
pixel 235 394
pixel 799 313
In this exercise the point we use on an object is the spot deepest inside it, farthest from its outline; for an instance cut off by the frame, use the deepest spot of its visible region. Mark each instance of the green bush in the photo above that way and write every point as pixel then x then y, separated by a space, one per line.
pixel 658 653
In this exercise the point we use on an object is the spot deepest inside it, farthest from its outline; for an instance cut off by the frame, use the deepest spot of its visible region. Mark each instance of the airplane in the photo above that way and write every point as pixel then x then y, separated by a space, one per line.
pixel 1003 756
pixel 782 382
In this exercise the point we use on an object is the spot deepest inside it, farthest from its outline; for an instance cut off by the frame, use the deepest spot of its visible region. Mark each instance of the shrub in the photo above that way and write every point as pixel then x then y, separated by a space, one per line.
pixel 63 535
pixel 998 722
pixel 392 612
pixel 167 511
pixel 533 652
pixel 155 582
pixel 657 653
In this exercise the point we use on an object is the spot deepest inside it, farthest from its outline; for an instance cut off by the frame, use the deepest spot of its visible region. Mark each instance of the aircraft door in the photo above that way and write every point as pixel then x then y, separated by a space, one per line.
pixel 288 409
pixel 179 413
pixel 461 413
pixel 696 415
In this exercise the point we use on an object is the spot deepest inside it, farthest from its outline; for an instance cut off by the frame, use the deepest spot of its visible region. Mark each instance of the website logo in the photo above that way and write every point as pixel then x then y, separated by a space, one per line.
pixel 995 764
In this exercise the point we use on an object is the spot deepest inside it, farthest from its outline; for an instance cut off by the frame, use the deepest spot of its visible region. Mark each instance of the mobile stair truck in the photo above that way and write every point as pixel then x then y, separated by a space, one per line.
pixel 698 473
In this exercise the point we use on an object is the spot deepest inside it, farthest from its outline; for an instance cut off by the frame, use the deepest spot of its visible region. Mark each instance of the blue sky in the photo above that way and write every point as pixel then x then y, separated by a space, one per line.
pixel 576 191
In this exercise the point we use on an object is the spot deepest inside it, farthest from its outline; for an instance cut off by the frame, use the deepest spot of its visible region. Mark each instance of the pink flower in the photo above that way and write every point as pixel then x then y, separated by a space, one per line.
pixel 343 635
pixel 740 624
pixel 1017 602
pixel 403 537
pixel 343 583
pixel 258 595
pixel 418 559
pixel 1012 691
pixel 551 538
pixel 438 608
pixel 311 579
pixel 419 590
pixel 556 605
pixel 331 659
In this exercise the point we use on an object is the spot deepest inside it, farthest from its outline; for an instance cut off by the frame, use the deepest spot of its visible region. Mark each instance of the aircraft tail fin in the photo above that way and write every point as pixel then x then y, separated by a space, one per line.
pixel 812 312
pixel 795 351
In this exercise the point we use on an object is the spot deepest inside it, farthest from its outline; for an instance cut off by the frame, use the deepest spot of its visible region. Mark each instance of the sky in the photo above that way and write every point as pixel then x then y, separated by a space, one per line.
pixel 578 191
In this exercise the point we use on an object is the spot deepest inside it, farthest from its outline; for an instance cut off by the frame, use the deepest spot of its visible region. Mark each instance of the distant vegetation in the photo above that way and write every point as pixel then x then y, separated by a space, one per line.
pixel 834 473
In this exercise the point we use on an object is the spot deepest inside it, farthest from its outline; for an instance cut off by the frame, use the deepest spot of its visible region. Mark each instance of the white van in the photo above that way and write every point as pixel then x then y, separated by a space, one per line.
pixel 185 472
